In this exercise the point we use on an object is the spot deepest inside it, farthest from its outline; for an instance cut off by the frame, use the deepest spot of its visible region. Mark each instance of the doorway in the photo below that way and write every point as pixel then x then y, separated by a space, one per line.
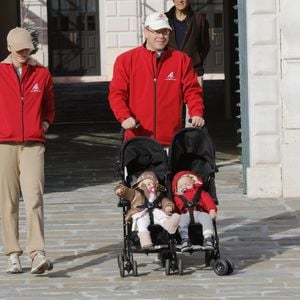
pixel 9 18
pixel 74 37
pixel 213 9
pixel 222 80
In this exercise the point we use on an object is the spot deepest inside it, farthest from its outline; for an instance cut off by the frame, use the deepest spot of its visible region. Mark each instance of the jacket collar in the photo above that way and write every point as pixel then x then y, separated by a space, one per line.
pixel 166 50
pixel 31 61
pixel 171 12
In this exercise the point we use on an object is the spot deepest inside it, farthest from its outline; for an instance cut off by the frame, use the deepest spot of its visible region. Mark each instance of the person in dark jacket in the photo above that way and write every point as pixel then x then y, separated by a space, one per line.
pixel 151 83
pixel 190 34
pixel 26 111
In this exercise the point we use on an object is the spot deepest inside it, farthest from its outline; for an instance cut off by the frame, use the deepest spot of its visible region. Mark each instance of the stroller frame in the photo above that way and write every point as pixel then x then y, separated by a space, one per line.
pixel 199 151
pixel 152 157
pixel 192 149
pixel 166 253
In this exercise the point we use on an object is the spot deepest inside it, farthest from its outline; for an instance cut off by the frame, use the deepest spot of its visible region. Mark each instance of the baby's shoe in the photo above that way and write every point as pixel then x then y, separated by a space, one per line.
pixel 186 245
pixel 208 243
pixel 145 240
pixel 171 223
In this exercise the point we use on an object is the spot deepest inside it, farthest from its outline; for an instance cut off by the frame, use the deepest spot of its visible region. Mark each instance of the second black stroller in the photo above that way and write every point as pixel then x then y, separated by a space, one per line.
pixel 192 149
pixel 136 156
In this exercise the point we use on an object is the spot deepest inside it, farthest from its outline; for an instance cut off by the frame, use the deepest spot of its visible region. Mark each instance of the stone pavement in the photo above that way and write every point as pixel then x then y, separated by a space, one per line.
pixel 84 233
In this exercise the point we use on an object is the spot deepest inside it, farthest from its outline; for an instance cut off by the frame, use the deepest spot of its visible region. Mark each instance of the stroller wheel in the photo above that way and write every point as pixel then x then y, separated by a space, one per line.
pixel 121 265
pixel 167 266
pixel 120 260
pixel 221 267
pixel 161 259
pixel 208 258
pixel 135 268
pixel 131 258
pixel 163 255
pixel 180 266
pixel 230 265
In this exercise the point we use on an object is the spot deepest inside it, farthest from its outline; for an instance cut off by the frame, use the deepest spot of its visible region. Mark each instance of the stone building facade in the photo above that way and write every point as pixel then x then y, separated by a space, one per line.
pixel 269 91
pixel 273 47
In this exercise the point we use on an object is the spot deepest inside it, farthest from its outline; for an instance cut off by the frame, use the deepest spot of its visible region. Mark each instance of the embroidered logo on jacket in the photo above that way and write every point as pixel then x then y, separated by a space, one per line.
pixel 35 88
pixel 171 76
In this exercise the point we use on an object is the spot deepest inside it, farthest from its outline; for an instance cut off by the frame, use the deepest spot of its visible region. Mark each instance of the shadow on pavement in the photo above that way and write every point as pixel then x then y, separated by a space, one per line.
pixel 84 141
pixel 245 244
pixel 79 156
pixel 93 258
pixel 255 242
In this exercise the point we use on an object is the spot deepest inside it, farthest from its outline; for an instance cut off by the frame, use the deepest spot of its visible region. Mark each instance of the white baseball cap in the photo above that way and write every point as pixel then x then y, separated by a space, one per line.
pixel 157 21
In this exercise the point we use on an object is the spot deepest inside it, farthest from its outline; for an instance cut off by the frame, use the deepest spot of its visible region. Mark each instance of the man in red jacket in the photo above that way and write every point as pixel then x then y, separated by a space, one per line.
pixel 26 111
pixel 151 84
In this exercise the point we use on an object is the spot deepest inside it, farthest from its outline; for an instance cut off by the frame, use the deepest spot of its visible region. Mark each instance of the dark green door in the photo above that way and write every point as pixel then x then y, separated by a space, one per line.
pixel 74 37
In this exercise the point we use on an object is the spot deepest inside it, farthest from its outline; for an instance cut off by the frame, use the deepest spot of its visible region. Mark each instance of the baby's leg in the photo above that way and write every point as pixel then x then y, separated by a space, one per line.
pixel 205 220
pixel 159 215
pixel 143 223
pixel 143 232
pixel 184 226
pixel 183 230
pixel 169 223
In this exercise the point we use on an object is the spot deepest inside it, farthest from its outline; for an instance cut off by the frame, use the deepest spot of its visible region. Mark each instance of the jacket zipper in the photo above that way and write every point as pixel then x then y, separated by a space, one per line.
pixel 21 87
pixel 154 68
pixel 23 130
pixel 155 80
pixel 155 75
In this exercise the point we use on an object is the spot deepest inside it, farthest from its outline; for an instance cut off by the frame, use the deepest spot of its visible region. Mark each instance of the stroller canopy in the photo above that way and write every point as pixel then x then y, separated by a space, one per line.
pixel 192 149
pixel 139 154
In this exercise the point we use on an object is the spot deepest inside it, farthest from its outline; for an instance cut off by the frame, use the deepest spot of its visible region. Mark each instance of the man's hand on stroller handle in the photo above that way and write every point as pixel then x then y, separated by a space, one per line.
pixel 130 123
pixel 197 121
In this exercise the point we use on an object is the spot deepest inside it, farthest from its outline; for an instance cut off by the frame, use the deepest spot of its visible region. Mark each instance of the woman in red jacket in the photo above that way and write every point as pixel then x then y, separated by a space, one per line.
pixel 192 202
pixel 151 83
pixel 26 111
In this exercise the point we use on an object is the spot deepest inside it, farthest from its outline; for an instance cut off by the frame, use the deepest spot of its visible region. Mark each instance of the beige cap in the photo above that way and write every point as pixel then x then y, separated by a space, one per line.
pixel 157 21
pixel 19 39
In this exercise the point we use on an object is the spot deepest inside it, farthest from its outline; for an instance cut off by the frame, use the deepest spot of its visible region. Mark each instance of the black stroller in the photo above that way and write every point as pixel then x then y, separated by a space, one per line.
pixel 137 155
pixel 192 149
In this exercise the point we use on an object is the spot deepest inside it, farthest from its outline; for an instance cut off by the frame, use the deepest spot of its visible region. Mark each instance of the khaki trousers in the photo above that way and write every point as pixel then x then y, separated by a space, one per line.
pixel 22 171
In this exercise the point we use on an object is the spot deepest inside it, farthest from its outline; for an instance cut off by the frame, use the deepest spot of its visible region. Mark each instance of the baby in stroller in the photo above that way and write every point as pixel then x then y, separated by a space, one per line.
pixel 147 202
pixel 195 206
pixel 149 224
pixel 146 172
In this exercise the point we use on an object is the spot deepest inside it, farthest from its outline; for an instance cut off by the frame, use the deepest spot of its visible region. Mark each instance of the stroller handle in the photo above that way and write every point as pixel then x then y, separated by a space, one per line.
pixel 190 121
pixel 137 124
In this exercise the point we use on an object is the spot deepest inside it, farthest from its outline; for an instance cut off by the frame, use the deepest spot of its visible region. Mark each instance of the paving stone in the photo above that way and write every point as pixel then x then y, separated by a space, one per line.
pixel 84 233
